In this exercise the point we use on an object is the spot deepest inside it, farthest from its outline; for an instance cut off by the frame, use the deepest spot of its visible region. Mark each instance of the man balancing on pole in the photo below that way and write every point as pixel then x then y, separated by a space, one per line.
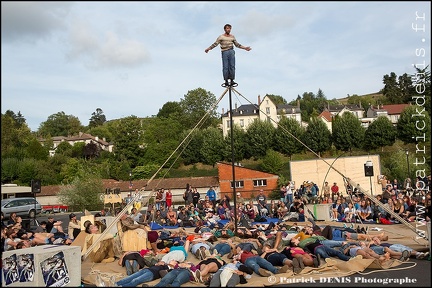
pixel 227 42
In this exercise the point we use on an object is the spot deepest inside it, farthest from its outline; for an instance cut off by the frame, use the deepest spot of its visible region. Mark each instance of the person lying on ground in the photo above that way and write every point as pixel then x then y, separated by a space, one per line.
pixel 314 245
pixel 211 264
pixel 366 252
pixel 230 275
pixel 134 260
pixel 308 259
pixel 146 275
pixel 181 274
pixel 273 256
pixel 176 252
pixel 400 248
pixel 259 265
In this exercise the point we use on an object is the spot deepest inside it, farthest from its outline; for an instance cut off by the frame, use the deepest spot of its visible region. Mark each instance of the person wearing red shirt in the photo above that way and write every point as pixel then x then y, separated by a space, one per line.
pixel 335 191
pixel 168 198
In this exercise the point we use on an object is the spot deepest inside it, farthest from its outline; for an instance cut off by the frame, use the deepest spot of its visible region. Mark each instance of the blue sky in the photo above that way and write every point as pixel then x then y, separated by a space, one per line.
pixel 130 58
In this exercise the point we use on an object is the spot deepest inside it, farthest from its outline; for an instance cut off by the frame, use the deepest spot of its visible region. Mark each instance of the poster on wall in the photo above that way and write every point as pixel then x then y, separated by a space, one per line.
pixel 26 267
pixel 54 271
pixel 10 270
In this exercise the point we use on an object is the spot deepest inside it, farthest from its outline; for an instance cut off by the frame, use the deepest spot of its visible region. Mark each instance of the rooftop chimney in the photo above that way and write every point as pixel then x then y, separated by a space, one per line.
pixel 259 100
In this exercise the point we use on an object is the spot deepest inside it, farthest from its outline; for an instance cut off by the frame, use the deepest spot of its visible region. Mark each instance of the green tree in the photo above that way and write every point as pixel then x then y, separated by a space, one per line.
pixel 413 125
pixel 147 171
pixel 128 139
pixel 161 137
pixel 60 124
pixel 35 150
pixel 347 132
pixel 284 141
pixel 191 147
pixel 397 89
pixel 72 169
pixel 27 171
pixel 276 99
pixel 212 147
pixel 195 105
pixel 64 148
pixel 259 138
pixel 238 145
pixel 15 136
pixel 272 162
pixel 171 110
pixel 83 193
pixel 9 170
pixel 380 133
pixel 103 132
pixel 78 150
pixel 317 136
pixel 98 118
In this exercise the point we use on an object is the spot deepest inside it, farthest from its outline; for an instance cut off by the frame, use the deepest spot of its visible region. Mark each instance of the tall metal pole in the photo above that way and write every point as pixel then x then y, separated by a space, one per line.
pixel 232 161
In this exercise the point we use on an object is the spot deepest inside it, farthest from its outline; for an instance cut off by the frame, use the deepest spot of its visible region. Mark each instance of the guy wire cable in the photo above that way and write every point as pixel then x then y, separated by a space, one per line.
pixel 138 195
pixel 377 202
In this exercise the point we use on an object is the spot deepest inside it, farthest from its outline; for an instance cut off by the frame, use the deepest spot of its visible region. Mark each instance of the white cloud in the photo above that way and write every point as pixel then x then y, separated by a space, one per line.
pixel 30 21
pixel 104 51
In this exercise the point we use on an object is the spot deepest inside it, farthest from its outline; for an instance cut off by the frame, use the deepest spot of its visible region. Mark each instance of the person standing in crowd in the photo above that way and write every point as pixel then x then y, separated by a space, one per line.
pixel 227 42
pixel 195 197
pixel 289 194
pixel 163 201
pixel 187 196
pixel 326 190
pixel 211 193
pixel 335 191
pixel 168 198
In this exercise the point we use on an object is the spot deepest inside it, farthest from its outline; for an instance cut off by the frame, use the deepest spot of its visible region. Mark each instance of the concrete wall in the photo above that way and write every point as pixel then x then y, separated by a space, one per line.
pixel 318 172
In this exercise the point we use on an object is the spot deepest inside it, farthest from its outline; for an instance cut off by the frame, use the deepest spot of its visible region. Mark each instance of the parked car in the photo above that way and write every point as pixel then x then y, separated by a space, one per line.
pixel 24 207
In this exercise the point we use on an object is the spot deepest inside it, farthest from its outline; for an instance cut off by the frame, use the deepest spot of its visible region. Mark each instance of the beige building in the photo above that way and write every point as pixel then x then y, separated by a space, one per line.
pixel 81 137
pixel 265 110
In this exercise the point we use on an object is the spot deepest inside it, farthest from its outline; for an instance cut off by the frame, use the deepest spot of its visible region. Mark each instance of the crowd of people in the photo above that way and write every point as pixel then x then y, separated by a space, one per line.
pixel 261 249
pixel 222 257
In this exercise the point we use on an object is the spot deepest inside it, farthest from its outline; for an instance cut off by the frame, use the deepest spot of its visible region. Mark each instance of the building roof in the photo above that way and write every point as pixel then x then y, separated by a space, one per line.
pixel 167 183
pixel 326 115
pixel 80 137
pixel 395 109
pixel 338 108
pixel 246 110
pixel 85 136
pixel 287 109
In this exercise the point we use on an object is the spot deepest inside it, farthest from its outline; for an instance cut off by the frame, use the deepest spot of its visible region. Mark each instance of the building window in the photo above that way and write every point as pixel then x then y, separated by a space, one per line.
pixel 228 123
pixel 268 110
pixel 239 184
pixel 260 182
pixel 241 123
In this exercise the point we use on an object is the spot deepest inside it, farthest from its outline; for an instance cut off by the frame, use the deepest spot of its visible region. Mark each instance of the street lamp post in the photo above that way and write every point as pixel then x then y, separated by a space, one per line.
pixel 406 153
pixel 130 183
